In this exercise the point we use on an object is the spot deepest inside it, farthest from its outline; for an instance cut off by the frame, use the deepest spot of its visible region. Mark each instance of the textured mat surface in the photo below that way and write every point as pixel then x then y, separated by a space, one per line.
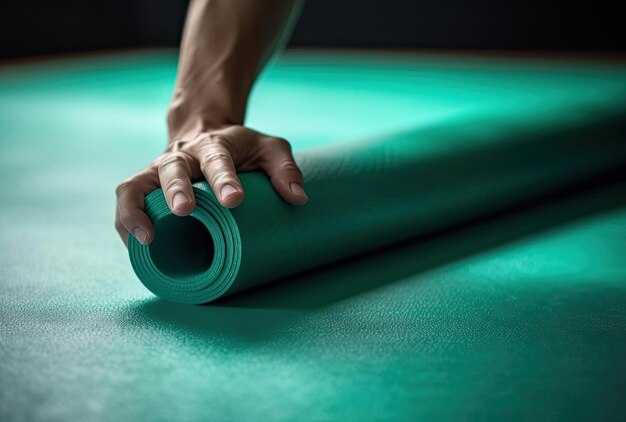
pixel 519 315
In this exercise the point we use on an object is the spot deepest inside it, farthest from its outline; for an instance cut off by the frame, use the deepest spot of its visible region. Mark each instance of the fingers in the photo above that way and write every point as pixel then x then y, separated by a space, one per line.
pixel 174 175
pixel 219 170
pixel 130 217
pixel 211 156
pixel 279 164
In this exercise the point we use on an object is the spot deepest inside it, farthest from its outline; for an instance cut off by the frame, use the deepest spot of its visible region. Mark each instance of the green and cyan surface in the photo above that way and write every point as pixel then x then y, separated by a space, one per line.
pixel 520 316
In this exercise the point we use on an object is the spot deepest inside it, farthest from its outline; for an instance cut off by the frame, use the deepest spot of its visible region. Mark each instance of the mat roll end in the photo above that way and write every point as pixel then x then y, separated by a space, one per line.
pixel 193 259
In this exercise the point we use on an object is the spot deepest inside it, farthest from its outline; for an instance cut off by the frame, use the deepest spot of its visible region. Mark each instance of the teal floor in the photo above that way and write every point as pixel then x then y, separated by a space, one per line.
pixel 518 316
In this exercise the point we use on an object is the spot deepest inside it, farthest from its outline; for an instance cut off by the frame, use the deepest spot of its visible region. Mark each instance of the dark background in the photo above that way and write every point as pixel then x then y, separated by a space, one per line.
pixel 46 27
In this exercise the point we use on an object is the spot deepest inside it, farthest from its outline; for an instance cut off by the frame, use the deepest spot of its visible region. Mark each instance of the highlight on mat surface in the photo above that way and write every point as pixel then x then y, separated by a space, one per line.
pixel 364 196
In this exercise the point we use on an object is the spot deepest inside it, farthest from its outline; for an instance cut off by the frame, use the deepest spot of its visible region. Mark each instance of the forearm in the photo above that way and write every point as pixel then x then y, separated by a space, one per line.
pixel 225 45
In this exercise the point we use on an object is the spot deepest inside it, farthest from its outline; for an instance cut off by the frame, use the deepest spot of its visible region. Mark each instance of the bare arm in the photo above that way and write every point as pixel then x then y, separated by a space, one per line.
pixel 225 45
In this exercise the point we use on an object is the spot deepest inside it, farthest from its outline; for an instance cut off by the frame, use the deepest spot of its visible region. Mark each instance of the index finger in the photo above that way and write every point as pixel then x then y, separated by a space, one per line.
pixel 130 215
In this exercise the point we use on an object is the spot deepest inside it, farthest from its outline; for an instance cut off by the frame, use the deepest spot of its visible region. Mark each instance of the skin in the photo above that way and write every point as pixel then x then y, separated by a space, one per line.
pixel 225 45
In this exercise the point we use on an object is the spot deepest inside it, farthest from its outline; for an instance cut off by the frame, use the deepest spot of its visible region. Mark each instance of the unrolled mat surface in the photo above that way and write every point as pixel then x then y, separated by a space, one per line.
pixel 368 195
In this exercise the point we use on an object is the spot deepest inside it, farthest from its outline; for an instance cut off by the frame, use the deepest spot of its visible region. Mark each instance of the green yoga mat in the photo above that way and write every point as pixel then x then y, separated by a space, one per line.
pixel 368 195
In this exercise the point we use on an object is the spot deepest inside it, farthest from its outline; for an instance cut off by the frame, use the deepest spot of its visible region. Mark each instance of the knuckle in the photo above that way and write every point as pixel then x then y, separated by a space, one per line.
pixel 223 176
pixel 151 173
pixel 124 186
pixel 215 157
pixel 279 143
pixel 175 158
pixel 218 139
pixel 173 183
pixel 154 164
pixel 125 217
pixel 290 166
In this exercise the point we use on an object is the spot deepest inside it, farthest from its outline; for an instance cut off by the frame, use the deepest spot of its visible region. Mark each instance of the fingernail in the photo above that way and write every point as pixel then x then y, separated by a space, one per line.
pixel 227 190
pixel 297 189
pixel 141 235
pixel 179 199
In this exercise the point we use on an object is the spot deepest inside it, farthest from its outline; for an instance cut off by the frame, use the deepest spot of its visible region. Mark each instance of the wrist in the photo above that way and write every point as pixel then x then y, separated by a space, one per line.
pixel 183 119
pixel 203 111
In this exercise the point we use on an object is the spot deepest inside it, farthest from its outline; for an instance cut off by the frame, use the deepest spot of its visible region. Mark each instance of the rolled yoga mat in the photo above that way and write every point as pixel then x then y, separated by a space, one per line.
pixel 368 195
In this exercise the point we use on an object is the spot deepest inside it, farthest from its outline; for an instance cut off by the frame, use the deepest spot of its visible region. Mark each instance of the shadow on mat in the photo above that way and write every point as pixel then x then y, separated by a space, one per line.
pixel 257 313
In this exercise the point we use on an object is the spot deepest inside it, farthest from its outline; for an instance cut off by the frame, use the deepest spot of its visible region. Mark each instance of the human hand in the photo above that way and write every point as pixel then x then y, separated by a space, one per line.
pixel 216 156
